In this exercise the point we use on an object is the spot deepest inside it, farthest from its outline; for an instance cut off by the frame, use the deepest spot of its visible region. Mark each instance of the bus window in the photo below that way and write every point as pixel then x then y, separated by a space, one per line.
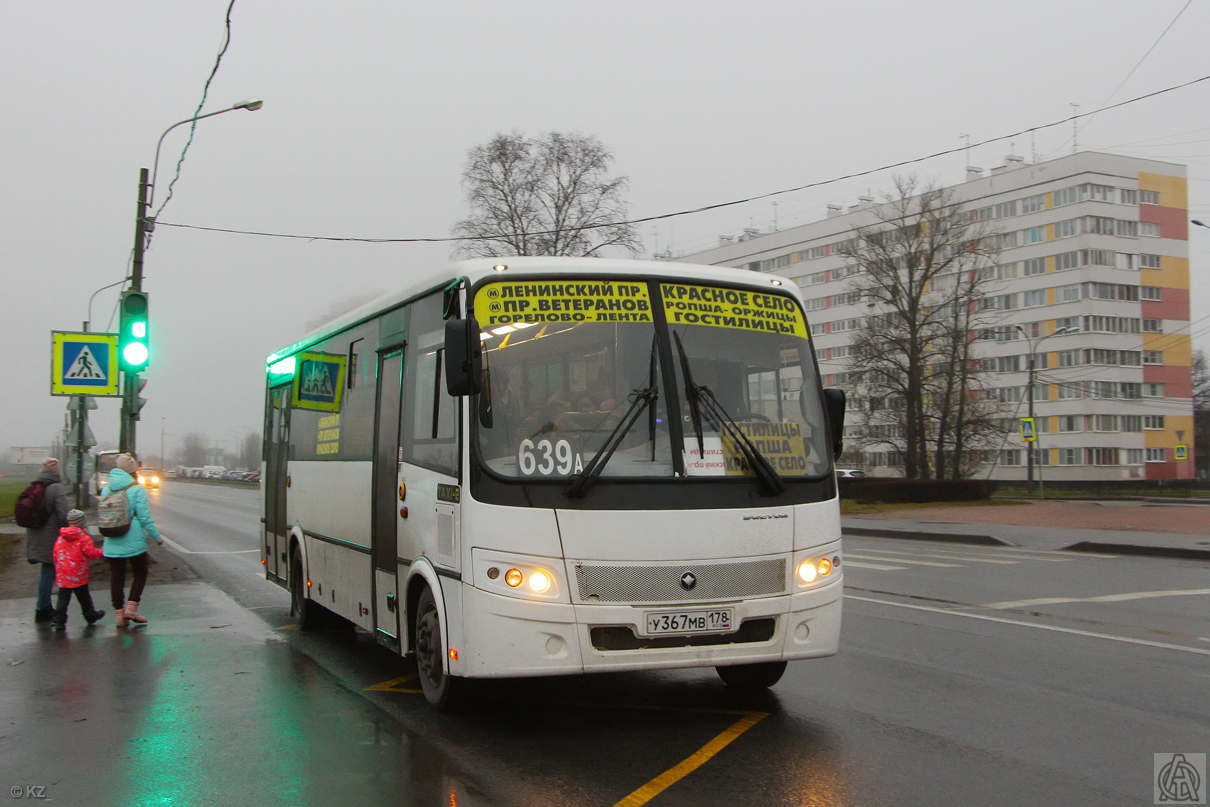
pixel 430 422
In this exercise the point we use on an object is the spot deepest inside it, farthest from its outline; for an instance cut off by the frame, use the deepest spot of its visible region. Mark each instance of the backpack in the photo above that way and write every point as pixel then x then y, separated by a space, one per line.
pixel 31 506
pixel 113 514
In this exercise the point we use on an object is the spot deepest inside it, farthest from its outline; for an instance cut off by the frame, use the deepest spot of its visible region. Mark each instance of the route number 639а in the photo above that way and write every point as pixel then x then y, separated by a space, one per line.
pixel 545 457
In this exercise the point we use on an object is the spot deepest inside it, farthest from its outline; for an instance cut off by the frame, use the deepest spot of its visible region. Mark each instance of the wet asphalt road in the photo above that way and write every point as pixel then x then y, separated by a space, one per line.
pixel 955 685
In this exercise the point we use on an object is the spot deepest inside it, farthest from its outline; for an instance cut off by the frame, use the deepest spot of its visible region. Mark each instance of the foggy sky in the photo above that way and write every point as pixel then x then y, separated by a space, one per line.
pixel 371 107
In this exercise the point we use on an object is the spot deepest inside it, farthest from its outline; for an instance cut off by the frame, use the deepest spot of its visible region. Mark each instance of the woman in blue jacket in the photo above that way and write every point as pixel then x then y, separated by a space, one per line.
pixel 133 545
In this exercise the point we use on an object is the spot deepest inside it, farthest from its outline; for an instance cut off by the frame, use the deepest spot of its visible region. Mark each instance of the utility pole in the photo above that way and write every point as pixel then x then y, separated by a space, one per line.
pixel 131 387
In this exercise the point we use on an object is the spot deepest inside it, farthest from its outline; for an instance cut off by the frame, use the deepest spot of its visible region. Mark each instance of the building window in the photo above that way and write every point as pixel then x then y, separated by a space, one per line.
pixel 1099 257
pixel 1149 197
pixel 1151 293
pixel 1041 456
pixel 1097 225
pixel 1072 324
pixel 1069 358
pixel 1032 204
pixel 1134 456
pixel 1034 235
pixel 1103 456
pixel 1105 423
pixel 1097 193
pixel 1067 260
pixel 1127 196
pixel 1067 294
pixel 1156 454
pixel 1125 260
pixel 1069 227
pixel 1070 390
pixel 1130 390
pixel 1153 422
pixel 1132 423
pixel 1031 299
pixel 1153 390
pixel 1069 456
pixel 1067 196
pixel 1006 209
pixel 1153 357
pixel 1033 266
pixel 1149 229
pixel 1128 229
pixel 1010 456
pixel 1153 325
pixel 1149 261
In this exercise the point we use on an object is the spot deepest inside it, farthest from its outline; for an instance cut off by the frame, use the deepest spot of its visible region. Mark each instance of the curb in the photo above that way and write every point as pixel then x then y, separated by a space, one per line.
pixel 914 535
pixel 1184 553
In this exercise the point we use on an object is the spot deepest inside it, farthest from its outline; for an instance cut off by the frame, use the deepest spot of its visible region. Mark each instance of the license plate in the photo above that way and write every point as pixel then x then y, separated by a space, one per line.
pixel 716 620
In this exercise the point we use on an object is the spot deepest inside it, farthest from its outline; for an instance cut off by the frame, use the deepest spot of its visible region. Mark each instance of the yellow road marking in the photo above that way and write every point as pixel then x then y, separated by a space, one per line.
pixel 674 774
pixel 394 685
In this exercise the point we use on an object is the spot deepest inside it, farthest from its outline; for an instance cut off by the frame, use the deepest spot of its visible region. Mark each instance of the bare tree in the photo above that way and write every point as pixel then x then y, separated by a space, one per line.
pixel 193 450
pixel 547 196
pixel 918 270
pixel 1201 414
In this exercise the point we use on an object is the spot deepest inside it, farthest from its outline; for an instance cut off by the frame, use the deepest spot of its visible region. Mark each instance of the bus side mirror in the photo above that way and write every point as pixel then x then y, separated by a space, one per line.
pixel 833 400
pixel 463 357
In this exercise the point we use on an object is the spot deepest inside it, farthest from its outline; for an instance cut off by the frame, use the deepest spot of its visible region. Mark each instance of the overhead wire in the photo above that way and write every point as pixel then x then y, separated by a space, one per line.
pixel 702 208
pixel 205 91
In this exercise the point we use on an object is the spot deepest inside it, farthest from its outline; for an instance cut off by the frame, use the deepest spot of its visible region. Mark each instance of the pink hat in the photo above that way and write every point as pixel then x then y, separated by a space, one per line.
pixel 127 463
pixel 50 464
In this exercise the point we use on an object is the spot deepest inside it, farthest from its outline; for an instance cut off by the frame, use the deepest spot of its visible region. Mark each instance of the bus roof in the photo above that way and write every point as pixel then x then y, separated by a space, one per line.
pixel 477 269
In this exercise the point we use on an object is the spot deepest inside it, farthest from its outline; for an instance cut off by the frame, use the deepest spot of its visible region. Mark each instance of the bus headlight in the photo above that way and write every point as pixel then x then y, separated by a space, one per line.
pixel 539 582
pixel 806 571
pixel 818 567
pixel 513 578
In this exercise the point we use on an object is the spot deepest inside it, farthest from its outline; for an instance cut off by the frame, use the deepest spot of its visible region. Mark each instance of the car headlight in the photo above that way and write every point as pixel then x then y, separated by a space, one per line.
pixel 817 567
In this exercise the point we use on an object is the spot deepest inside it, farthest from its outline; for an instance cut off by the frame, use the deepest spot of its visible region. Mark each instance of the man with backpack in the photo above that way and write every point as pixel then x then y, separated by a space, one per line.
pixel 42 510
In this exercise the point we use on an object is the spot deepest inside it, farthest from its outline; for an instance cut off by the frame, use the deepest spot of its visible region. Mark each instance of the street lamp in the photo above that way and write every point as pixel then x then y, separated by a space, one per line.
pixel 1033 349
pixel 143 224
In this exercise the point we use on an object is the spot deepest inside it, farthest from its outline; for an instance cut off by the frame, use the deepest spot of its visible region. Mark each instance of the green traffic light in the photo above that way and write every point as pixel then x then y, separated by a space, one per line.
pixel 135 354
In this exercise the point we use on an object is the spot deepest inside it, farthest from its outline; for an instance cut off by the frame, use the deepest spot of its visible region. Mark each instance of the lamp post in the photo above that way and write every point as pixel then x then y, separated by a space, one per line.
pixel 143 224
pixel 1030 452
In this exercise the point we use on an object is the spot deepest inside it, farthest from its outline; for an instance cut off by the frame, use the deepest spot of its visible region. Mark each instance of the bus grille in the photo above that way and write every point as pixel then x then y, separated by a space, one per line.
pixel 720 581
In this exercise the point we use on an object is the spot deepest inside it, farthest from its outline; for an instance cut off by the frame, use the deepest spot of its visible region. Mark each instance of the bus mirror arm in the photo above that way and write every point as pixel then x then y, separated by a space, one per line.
pixel 834 402
pixel 463 357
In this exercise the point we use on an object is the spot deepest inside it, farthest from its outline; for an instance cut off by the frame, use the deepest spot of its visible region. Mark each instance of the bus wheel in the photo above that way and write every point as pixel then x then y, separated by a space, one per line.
pixel 309 614
pixel 752 676
pixel 438 686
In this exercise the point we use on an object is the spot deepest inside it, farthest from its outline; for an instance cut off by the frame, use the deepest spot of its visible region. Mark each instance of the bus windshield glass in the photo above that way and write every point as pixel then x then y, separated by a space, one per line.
pixel 746 381
pixel 573 373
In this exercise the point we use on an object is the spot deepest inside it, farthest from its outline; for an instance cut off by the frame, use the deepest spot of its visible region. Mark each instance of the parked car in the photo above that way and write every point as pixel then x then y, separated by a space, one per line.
pixel 849 473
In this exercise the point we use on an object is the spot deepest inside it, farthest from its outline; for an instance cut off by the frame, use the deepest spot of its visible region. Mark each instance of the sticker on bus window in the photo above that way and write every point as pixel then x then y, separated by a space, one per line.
pixel 742 309
pixel 512 302
pixel 782 444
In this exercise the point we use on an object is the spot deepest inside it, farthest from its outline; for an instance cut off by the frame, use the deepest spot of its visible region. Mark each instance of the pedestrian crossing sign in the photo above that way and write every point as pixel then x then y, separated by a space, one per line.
pixel 1027 430
pixel 1181 453
pixel 84 363
pixel 319 381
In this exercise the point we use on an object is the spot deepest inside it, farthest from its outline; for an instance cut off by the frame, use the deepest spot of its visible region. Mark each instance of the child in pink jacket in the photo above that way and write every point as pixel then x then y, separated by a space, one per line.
pixel 73 549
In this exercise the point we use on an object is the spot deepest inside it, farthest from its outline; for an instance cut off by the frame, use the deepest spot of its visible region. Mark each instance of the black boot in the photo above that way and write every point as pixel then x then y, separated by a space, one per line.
pixel 44 614
pixel 94 616
pixel 60 619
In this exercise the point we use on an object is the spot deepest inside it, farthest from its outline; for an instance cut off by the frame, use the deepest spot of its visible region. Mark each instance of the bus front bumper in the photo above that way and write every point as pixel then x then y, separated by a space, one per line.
pixel 510 637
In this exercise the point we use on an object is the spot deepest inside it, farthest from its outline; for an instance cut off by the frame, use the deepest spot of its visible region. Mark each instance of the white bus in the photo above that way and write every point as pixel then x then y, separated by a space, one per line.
pixel 544 466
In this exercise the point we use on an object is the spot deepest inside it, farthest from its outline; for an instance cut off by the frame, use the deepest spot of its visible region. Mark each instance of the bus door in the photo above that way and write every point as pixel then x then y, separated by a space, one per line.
pixel 388 455
pixel 277 455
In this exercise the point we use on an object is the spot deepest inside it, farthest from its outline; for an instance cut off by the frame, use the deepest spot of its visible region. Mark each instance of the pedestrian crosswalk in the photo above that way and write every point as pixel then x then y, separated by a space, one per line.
pixel 885 559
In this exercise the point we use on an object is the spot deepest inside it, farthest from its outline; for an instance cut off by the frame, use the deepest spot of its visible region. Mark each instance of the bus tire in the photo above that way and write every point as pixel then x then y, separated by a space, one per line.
pixel 761 675
pixel 440 688
pixel 310 615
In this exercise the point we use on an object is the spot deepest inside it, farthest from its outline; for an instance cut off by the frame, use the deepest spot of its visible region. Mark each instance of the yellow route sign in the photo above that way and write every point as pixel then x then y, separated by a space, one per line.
pixel 742 309
pixel 83 363
pixel 532 303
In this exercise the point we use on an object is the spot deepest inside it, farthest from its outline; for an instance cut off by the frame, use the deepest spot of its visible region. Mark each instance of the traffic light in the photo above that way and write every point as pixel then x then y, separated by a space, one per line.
pixel 133 352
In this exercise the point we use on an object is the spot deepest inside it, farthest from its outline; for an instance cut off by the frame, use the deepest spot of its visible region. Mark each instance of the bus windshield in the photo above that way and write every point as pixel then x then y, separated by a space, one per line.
pixel 574 372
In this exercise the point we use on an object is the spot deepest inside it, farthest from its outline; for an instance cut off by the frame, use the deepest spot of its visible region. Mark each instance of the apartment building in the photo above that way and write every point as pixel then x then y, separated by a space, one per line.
pixel 1092 273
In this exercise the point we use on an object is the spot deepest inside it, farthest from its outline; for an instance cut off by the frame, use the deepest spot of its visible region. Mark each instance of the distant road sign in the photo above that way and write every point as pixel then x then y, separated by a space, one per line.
pixel 1027 430
pixel 84 363
pixel 1181 453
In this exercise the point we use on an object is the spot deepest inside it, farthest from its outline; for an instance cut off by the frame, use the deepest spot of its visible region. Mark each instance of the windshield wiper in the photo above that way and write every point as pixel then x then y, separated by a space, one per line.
pixel 640 399
pixel 702 400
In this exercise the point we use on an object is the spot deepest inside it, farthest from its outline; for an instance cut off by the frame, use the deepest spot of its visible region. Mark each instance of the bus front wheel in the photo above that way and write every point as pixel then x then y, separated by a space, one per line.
pixel 439 686
pixel 309 614
pixel 752 676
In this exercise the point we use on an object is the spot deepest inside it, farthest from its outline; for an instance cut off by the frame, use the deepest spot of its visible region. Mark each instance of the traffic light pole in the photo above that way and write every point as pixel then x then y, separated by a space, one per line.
pixel 127 442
